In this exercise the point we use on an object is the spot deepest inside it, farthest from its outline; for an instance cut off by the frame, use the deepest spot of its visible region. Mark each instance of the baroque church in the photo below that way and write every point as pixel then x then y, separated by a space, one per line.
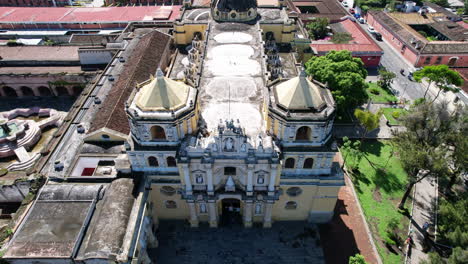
pixel 233 129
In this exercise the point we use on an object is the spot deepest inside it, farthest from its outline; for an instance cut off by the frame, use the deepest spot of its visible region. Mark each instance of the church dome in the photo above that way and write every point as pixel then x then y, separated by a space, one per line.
pixel 234 10
pixel 236 5
pixel 299 93
pixel 163 94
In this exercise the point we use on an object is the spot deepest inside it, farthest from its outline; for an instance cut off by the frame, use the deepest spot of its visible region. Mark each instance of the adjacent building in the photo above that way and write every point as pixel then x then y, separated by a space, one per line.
pixel 40 3
pixel 430 36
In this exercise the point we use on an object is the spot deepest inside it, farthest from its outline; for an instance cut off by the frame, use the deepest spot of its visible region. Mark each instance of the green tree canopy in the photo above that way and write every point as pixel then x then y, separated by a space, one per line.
pixel 344 75
pixel 444 78
pixel 357 259
pixel 386 78
pixel 318 28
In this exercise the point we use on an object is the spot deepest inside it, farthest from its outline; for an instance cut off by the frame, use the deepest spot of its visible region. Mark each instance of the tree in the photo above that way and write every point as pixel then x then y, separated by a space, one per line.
pixel 351 148
pixel 318 28
pixel 386 78
pixel 368 120
pixel 344 75
pixel 444 78
pixel 357 259
pixel 421 147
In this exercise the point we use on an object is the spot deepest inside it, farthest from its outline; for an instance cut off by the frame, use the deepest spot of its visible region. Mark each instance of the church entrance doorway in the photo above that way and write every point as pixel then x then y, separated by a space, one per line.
pixel 230 212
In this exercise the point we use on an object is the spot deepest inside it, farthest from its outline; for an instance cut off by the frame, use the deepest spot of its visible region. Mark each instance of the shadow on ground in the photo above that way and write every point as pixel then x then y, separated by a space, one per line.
pixel 338 240
pixel 285 242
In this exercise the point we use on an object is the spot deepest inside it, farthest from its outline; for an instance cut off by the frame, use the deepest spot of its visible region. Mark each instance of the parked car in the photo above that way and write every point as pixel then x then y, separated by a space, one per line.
pixel 351 10
pixel 371 29
pixel 361 20
pixel 345 4
pixel 377 35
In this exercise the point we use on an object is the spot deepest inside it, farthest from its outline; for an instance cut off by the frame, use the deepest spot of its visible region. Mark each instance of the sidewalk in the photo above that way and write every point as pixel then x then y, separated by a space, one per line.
pixel 425 205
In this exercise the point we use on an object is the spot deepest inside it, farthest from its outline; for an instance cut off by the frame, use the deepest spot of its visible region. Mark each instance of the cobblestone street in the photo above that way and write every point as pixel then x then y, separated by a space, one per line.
pixel 292 242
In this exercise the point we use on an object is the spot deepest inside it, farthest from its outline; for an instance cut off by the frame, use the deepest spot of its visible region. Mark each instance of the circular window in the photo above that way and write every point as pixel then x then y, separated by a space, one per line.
pixel 217 13
pixel 105 137
pixel 249 13
pixel 171 204
pixel 233 15
pixel 291 205
pixel 168 190
pixel 294 191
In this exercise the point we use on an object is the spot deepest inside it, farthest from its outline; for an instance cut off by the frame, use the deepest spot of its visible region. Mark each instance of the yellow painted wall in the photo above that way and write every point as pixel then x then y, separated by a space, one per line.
pixel 159 208
pixel 278 30
pixel 304 204
pixel 183 34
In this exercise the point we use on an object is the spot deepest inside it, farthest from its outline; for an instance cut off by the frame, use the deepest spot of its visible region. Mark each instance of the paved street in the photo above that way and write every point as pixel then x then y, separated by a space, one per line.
pixel 285 242
pixel 404 88
pixel 425 202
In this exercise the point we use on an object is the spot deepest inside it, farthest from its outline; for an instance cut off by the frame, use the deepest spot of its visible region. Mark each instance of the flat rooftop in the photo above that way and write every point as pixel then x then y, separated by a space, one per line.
pixel 232 81
pixel 40 53
pixel 87 14
pixel 41 70
pixel 75 221
pixel 361 42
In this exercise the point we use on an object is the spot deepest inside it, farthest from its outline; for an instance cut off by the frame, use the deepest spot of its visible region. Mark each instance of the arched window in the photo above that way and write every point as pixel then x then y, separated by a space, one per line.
pixel 303 133
pixel 261 179
pixel 27 91
pixel 44 91
pixel 168 190
pixel 452 61
pixel 290 162
pixel 171 162
pixel 294 191
pixel 10 92
pixel 157 133
pixel 308 163
pixel 171 204
pixel 290 205
pixel 153 162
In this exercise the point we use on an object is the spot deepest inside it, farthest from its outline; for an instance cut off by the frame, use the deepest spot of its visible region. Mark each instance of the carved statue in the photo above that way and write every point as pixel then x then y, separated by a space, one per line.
pixel 229 145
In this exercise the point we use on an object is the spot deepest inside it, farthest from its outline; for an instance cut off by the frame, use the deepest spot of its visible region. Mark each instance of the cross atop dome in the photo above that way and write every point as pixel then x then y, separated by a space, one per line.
pixel 234 10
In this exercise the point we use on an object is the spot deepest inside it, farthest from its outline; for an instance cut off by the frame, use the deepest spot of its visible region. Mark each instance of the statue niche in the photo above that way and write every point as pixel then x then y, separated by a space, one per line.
pixel 229 145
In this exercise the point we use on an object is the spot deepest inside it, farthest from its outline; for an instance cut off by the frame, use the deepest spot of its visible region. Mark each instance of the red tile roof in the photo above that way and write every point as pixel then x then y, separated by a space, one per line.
pixel 143 62
pixel 88 14
pixel 361 43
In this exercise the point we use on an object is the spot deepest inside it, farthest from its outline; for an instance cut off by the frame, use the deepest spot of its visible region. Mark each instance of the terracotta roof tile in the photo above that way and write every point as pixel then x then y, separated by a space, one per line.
pixel 144 61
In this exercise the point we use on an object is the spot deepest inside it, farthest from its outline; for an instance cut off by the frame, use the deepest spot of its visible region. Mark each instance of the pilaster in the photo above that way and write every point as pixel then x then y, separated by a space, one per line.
pixel 193 214
pixel 248 213
pixel 250 169
pixel 209 179
pixel 212 213
pixel 271 184
pixel 267 216
pixel 188 182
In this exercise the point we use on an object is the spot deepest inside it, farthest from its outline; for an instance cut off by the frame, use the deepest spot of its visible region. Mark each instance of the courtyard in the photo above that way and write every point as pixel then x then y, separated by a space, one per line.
pixel 285 242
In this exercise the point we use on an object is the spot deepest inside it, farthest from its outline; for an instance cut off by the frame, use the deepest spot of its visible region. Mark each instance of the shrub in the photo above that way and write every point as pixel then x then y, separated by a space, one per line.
pixel 396 114
pixel 341 38
pixel 374 90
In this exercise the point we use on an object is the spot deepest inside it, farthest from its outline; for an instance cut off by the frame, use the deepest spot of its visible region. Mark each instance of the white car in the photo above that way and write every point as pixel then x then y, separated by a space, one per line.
pixel 345 4
pixel 371 29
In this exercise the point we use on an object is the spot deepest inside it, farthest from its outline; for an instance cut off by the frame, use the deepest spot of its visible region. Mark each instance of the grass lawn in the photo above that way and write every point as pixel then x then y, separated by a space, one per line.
pixel 379 192
pixel 388 113
pixel 380 95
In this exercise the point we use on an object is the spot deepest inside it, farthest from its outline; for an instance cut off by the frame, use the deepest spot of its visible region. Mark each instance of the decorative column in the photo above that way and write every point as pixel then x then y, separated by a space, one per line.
pixel 271 184
pixel 193 214
pixel 188 182
pixel 212 213
pixel 19 92
pixel 209 179
pixel 250 168
pixel 248 213
pixel 267 215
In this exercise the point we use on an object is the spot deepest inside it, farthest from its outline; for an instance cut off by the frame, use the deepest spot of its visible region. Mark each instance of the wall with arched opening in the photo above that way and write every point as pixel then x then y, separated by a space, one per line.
pixel 61 91
pixel 27 91
pixel 44 91
pixel 8 91
pixel 304 133
pixel 157 133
